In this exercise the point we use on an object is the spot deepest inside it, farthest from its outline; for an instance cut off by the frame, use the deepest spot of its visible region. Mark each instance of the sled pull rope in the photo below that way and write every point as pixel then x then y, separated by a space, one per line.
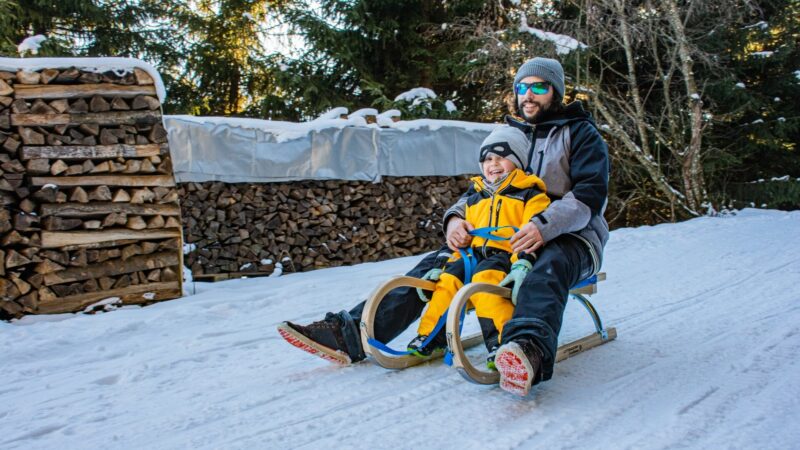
pixel 469 257
pixel 385 348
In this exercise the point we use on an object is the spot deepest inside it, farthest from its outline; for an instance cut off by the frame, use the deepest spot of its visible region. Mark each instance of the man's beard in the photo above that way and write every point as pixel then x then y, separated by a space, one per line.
pixel 540 111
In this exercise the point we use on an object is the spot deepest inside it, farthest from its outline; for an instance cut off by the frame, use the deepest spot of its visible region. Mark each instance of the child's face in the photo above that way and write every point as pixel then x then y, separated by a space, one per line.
pixel 495 166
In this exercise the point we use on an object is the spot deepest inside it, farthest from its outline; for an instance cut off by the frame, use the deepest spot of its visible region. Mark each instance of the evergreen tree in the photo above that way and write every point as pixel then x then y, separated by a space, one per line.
pixel 366 52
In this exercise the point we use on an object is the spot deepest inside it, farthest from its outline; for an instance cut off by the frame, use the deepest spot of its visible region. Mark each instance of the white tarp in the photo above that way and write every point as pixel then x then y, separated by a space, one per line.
pixel 256 151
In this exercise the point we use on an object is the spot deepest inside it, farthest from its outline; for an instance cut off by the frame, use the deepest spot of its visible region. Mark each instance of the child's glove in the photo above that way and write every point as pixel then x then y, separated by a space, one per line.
pixel 432 275
pixel 519 270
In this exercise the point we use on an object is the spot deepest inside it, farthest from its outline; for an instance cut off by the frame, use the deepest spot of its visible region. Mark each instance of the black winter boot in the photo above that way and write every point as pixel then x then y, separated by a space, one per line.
pixel 437 343
pixel 335 338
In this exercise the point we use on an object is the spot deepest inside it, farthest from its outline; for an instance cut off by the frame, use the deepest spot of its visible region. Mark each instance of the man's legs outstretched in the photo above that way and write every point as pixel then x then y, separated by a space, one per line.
pixel 337 337
pixel 530 338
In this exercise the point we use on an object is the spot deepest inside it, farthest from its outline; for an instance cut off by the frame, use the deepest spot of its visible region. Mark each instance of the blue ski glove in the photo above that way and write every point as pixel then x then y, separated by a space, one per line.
pixel 432 275
pixel 519 270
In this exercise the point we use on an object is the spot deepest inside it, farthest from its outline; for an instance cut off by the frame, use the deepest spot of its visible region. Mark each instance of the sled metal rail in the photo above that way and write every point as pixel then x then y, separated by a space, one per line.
pixel 485 376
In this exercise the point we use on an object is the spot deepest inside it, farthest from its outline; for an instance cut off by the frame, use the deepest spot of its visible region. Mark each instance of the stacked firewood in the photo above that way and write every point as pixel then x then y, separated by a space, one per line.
pixel 90 207
pixel 312 224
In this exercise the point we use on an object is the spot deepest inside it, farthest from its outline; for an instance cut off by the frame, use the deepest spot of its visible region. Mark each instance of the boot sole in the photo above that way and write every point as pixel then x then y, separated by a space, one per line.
pixel 516 373
pixel 295 338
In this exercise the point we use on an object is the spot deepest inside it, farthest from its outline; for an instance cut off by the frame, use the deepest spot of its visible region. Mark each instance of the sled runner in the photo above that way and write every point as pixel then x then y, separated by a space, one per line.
pixel 455 320
pixel 380 353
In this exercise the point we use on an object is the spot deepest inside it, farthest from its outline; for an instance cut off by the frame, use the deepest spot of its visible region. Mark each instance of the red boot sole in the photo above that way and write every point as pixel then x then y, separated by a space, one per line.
pixel 303 343
pixel 515 371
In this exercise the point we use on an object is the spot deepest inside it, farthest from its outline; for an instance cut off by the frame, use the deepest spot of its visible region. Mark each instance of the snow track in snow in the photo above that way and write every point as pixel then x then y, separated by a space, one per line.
pixel 708 314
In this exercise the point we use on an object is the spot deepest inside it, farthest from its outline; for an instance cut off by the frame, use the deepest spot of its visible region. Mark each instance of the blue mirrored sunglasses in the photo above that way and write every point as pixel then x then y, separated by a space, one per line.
pixel 537 87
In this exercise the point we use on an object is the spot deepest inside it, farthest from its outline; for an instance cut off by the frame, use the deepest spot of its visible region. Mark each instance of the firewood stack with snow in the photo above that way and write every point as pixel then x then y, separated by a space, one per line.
pixel 90 207
pixel 312 224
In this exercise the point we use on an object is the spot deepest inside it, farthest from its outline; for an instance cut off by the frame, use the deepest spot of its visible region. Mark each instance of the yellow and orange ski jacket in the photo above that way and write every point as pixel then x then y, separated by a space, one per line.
pixel 514 202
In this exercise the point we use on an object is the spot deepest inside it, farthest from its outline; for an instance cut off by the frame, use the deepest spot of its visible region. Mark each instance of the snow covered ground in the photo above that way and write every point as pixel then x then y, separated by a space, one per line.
pixel 708 314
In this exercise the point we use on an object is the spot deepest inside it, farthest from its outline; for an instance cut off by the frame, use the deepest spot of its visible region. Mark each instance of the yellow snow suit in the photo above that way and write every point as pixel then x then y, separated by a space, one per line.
pixel 517 199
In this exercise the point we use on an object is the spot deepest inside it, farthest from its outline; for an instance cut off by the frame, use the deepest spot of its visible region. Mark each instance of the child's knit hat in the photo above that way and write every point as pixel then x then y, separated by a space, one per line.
pixel 508 142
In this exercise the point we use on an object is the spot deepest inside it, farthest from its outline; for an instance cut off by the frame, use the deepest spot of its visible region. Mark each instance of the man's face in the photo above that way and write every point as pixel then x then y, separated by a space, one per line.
pixel 532 105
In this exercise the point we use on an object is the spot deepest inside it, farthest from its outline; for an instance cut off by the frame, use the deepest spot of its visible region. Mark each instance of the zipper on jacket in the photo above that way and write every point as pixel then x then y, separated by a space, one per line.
pixel 486 241
pixel 497 213
pixel 541 160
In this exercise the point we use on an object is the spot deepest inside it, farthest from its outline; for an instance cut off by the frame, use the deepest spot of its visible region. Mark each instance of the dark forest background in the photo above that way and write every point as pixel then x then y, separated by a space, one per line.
pixel 697 99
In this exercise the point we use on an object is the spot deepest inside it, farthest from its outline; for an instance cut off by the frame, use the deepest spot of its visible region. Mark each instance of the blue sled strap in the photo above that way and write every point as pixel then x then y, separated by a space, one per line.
pixel 469 267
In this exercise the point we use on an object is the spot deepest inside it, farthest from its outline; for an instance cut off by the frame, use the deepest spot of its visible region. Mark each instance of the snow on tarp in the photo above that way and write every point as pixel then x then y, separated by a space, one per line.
pixel 706 358
pixel 118 65
pixel 238 150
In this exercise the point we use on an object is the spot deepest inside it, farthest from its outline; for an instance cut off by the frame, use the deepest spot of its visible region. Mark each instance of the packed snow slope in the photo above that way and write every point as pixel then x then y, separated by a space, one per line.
pixel 708 314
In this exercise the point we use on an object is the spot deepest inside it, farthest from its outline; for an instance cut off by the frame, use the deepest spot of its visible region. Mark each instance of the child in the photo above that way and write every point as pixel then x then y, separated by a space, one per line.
pixel 505 196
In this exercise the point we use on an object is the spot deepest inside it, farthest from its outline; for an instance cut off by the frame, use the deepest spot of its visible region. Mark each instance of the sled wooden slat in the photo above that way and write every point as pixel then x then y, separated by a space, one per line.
pixel 368 331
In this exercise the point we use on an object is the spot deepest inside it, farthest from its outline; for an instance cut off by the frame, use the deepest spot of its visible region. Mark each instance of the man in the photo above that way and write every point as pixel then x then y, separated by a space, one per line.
pixel 569 154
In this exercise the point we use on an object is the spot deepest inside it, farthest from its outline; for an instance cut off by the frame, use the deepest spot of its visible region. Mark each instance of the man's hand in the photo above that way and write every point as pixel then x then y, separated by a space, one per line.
pixel 457 234
pixel 528 239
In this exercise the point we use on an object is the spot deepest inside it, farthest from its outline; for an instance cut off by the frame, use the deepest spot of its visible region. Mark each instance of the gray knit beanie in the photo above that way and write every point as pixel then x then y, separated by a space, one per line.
pixel 505 138
pixel 545 68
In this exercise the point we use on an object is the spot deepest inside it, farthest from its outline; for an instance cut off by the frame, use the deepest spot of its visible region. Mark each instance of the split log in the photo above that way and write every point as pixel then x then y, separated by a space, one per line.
pixel 94 152
pixel 58 167
pixel 48 75
pixel 97 180
pixel 53 239
pixel 139 294
pixel 136 223
pixel 112 267
pixel 5 89
pixel 145 102
pixel 82 91
pixel 27 77
pixel 72 118
pixel 99 104
pixel 79 195
pixel 100 194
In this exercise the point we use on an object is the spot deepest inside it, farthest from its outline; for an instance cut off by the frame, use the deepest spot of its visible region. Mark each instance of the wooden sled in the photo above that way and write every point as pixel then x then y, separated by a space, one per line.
pixel 485 376
pixel 368 331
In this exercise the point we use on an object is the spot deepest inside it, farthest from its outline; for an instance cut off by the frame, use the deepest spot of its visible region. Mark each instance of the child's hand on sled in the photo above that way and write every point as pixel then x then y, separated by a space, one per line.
pixel 519 270
pixel 431 275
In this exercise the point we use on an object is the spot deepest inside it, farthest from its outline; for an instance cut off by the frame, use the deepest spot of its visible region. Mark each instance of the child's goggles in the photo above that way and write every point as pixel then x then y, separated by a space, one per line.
pixel 498 148
pixel 537 87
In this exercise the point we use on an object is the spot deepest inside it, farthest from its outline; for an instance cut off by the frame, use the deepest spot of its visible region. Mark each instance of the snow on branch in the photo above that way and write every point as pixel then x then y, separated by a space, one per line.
pixel 416 93
pixel 333 113
pixel 31 44
pixel 564 44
